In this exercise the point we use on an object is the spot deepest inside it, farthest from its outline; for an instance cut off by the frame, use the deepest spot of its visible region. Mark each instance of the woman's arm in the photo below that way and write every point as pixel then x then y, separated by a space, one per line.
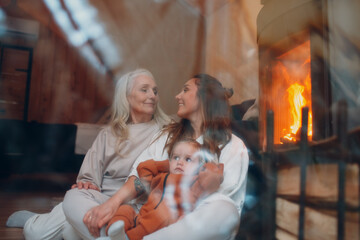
pixel 149 169
pixel 91 171
pixel 235 158
pixel 98 216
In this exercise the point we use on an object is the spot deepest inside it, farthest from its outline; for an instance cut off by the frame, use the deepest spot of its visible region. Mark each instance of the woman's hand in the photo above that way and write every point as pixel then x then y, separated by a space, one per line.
pixel 85 185
pixel 98 216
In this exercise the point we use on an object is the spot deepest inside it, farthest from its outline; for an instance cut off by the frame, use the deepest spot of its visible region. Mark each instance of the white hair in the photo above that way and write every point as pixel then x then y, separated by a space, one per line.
pixel 121 107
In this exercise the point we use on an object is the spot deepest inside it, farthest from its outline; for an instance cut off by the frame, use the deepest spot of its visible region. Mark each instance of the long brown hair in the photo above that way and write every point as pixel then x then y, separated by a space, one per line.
pixel 216 111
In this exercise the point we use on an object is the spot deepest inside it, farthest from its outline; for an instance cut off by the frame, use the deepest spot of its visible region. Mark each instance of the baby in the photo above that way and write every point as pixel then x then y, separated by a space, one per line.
pixel 174 187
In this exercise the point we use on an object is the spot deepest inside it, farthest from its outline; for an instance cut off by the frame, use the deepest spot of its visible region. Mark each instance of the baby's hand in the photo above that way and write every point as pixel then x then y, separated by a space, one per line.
pixel 211 176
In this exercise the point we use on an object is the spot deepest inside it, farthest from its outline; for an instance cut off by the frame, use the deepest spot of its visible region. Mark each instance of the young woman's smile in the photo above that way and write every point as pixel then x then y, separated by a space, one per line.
pixel 188 101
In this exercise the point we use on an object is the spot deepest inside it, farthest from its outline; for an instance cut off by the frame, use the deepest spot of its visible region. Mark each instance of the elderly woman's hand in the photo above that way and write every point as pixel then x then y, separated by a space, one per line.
pixel 85 185
pixel 98 216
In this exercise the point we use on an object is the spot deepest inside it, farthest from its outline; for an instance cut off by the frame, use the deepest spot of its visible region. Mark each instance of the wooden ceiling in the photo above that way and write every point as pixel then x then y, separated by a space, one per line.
pixel 207 7
pixel 38 10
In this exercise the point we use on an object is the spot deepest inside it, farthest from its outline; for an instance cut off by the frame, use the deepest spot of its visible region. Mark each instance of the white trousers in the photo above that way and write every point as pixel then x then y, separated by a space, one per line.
pixel 55 225
pixel 76 204
pixel 216 218
pixel 49 226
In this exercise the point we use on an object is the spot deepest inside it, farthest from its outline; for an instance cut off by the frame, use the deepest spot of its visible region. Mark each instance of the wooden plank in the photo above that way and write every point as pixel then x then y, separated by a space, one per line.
pixel 80 83
pixel 66 76
pixel 36 76
pixel 89 91
pixel 319 225
pixel 283 235
pixel 60 93
pixel 321 182
pixel 103 95
pixel 13 83
pixel 71 59
pixel 38 10
pixel 207 8
pixel 15 59
pixel 76 88
pixel 14 201
pixel 12 88
pixel 11 111
pixel 48 61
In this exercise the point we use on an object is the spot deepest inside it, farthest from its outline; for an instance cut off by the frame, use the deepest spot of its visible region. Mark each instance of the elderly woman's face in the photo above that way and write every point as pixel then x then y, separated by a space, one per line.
pixel 143 98
pixel 189 103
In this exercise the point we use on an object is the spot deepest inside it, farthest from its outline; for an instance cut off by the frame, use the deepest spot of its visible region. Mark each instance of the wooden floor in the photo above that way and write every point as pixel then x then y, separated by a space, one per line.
pixel 10 202
pixel 37 193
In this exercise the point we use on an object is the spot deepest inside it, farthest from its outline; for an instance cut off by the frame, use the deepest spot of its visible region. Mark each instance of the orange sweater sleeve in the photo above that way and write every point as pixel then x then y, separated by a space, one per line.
pixel 149 169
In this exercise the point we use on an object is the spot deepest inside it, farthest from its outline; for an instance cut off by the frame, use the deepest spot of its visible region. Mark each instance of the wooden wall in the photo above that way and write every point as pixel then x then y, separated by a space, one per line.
pixel 64 88
pixel 231 47
pixel 173 39
pixel 13 83
pixel 165 37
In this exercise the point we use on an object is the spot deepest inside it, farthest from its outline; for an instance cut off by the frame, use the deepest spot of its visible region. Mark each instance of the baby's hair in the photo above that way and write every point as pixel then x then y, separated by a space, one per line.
pixel 195 145
pixel 204 155
pixel 191 141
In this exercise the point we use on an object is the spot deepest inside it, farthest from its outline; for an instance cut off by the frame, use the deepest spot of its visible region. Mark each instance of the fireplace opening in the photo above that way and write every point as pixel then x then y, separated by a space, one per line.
pixel 293 71
pixel 291 91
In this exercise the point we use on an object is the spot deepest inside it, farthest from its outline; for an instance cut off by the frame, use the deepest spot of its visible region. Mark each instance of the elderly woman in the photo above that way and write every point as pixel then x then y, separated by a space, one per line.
pixel 136 118
pixel 204 109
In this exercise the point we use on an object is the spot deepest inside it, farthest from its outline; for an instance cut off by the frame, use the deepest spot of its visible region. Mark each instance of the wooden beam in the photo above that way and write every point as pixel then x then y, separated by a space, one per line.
pixel 38 10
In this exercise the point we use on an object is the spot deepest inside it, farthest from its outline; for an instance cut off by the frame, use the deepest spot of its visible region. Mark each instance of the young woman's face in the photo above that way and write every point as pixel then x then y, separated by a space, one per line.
pixel 189 103
pixel 182 159
pixel 143 99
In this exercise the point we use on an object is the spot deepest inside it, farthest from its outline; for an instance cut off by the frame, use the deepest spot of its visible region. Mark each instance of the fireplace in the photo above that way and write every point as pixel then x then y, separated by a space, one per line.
pixel 293 72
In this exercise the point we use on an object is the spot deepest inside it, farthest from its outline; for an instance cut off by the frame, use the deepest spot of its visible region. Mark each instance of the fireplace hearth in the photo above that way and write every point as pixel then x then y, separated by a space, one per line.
pixel 304 131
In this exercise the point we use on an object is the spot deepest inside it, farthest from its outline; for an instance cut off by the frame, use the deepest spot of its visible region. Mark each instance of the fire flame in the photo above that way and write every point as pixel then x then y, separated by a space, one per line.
pixel 297 102
pixel 298 92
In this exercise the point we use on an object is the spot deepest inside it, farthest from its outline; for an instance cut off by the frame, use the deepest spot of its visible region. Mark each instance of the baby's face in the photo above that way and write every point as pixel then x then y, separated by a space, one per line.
pixel 182 160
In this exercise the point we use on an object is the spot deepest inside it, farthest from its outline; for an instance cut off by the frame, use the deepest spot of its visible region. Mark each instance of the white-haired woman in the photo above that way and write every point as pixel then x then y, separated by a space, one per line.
pixel 136 118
